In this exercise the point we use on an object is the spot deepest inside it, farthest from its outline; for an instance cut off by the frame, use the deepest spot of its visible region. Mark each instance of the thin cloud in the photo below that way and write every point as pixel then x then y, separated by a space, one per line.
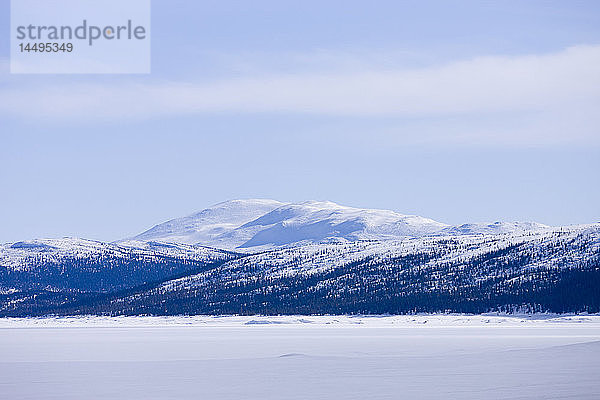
pixel 566 82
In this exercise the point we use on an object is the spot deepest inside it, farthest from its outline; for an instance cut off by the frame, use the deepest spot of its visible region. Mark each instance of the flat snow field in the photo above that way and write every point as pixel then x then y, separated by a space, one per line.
pixel 299 357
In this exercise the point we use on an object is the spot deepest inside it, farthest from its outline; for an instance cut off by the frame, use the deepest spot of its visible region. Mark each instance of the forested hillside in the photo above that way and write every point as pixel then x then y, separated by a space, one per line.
pixel 556 271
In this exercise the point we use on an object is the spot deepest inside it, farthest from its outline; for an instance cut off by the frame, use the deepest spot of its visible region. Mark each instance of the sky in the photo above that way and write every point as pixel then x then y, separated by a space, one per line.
pixel 465 111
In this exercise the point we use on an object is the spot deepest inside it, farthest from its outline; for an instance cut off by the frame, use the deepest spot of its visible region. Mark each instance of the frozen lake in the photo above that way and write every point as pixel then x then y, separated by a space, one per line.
pixel 421 357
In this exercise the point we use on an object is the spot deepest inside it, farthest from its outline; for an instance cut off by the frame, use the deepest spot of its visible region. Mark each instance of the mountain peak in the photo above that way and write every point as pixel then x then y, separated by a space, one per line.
pixel 258 223
pixel 204 226
pixel 266 222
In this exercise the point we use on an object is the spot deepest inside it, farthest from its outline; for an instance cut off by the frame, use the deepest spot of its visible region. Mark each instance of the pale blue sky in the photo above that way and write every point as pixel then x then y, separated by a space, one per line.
pixel 458 111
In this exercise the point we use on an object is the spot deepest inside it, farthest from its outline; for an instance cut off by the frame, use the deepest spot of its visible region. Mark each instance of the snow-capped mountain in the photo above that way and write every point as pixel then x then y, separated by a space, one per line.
pixel 270 257
pixel 495 228
pixel 554 269
pixel 261 224
pixel 317 221
pixel 310 257
pixel 211 224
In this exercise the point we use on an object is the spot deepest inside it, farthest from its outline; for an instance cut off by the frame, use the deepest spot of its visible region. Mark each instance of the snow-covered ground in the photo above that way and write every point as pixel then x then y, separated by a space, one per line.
pixel 301 357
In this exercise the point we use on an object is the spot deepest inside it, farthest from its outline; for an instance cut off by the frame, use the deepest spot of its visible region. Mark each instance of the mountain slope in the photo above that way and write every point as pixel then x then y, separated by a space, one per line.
pixel 267 223
pixel 316 221
pixel 259 224
pixel 554 270
pixel 206 226
pixel 310 257
pixel 41 274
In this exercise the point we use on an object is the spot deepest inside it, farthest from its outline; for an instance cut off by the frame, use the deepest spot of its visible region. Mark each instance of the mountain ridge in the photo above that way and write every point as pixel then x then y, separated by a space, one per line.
pixel 552 270
pixel 265 223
